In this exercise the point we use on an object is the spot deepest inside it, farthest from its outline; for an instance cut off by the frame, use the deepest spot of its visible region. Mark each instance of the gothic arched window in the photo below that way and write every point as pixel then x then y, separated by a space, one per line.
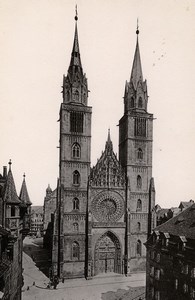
pixel 138 226
pixel 76 177
pixel 139 182
pixel 76 203
pixel 140 154
pixel 75 251
pixel 132 102
pixel 76 96
pixel 139 248
pixel 75 227
pixel 139 205
pixel 76 150
pixel 68 96
pixel 140 102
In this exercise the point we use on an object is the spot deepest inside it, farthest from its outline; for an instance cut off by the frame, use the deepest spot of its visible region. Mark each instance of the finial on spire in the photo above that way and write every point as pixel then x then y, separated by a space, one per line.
pixel 109 139
pixel 76 13
pixel 10 163
pixel 24 175
pixel 137 31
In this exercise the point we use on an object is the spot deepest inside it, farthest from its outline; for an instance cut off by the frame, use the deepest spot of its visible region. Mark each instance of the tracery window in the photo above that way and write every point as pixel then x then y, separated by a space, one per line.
pixel 139 205
pixel 140 102
pixel 139 248
pixel 76 96
pixel 76 150
pixel 139 182
pixel 76 203
pixel 75 227
pixel 132 102
pixel 75 251
pixel 76 177
pixel 140 154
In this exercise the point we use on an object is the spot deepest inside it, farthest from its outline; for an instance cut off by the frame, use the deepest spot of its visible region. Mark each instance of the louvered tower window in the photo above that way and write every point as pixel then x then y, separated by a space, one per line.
pixel 140 127
pixel 76 121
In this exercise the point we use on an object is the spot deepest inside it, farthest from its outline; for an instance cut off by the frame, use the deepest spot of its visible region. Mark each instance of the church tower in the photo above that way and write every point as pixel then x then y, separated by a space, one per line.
pixel 135 156
pixel 75 149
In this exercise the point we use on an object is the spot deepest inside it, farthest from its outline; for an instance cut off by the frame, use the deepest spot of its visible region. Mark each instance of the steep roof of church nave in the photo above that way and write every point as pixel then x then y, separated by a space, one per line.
pixel 107 170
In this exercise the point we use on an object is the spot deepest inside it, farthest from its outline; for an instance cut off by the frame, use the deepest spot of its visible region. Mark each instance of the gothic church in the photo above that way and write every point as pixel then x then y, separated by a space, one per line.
pixel 104 213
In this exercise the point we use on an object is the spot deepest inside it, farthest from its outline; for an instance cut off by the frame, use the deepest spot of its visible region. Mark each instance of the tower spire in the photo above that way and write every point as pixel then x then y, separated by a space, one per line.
pixel 136 73
pixel 75 56
pixel 75 88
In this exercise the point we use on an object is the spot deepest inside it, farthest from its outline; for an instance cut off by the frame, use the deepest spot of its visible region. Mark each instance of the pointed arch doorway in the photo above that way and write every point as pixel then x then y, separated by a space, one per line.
pixel 107 254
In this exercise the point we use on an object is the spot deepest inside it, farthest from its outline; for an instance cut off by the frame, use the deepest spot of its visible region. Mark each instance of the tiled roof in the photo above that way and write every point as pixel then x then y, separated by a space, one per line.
pixel 24 197
pixel 181 225
pixel 186 204
pixel 37 209
pixel 161 212
pixel 10 195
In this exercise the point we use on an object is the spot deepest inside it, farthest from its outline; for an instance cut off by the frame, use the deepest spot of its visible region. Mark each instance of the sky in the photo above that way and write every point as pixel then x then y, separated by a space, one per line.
pixel 36 39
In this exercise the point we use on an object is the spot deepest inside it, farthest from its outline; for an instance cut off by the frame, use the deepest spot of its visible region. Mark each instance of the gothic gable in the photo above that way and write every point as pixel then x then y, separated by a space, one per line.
pixel 108 171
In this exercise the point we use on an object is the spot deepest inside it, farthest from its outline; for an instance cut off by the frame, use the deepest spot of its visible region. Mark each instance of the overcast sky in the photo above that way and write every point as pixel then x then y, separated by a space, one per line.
pixel 36 38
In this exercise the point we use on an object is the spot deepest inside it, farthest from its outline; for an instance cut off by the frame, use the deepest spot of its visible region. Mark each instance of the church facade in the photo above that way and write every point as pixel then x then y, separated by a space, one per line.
pixel 103 214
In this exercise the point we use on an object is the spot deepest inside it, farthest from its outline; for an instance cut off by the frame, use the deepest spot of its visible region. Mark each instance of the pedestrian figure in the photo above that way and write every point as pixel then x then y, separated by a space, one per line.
pixel 55 282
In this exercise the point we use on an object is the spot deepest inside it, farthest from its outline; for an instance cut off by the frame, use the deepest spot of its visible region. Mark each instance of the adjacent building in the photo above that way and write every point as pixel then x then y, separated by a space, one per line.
pixel 171 260
pixel 164 214
pixel 36 221
pixel 14 225
pixel 48 217
pixel 103 214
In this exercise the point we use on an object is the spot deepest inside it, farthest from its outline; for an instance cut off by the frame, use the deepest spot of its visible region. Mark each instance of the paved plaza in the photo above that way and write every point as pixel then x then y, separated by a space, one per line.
pixel 104 287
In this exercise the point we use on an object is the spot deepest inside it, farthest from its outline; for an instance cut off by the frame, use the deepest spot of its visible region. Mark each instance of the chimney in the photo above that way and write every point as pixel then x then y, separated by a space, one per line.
pixel 4 171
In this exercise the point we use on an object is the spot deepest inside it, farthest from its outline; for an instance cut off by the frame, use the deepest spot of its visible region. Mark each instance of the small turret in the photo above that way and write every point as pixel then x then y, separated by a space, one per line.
pixel 24 197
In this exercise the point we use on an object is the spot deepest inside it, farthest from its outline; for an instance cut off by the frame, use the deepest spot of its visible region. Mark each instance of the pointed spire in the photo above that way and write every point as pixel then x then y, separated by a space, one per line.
pixel 24 197
pixel 48 190
pixel 109 139
pixel 136 73
pixel 109 142
pixel 10 163
pixel 75 56
pixel 10 196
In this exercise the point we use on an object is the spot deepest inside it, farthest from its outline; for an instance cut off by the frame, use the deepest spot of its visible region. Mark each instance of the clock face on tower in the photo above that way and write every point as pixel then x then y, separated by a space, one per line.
pixel 108 207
